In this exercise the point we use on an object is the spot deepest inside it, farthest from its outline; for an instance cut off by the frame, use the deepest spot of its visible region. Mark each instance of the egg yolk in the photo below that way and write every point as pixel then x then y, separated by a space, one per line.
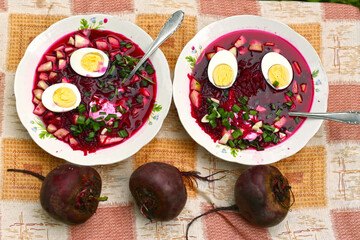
pixel 278 75
pixel 64 97
pixel 92 62
pixel 223 75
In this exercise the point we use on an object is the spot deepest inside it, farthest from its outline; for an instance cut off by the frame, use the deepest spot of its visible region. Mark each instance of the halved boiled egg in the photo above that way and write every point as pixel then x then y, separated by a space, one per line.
pixel 276 70
pixel 222 69
pixel 61 97
pixel 89 62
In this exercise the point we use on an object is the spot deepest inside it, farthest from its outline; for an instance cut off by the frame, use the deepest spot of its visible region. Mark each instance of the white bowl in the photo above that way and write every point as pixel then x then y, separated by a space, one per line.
pixel 24 84
pixel 249 156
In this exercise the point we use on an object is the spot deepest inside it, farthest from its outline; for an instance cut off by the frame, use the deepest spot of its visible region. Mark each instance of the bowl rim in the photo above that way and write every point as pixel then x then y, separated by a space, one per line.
pixel 249 156
pixel 111 154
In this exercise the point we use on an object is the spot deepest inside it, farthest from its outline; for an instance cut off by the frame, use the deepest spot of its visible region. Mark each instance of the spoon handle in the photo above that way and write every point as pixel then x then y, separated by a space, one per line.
pixel 348 117
pixel 169 28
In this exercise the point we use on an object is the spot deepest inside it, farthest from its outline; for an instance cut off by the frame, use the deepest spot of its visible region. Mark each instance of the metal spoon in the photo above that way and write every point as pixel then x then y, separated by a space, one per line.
pixel 169 28
pixel 348 117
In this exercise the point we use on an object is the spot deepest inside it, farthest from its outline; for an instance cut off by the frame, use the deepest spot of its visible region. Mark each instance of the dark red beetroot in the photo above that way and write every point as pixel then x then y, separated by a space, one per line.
pixel 262 196
pixel 70 193
pixel 159 189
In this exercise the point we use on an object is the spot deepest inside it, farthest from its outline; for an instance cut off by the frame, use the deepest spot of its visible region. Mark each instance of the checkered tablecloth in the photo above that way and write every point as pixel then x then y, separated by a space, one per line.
pixel 324 175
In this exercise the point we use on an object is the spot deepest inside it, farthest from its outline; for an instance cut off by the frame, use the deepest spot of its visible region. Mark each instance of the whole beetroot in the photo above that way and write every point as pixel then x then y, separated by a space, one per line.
pixel 70 193
pixel 262 197
pixel 159 190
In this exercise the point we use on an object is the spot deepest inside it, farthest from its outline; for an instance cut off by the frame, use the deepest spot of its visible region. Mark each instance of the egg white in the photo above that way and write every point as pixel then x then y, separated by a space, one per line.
pixel 47 97
pixel 271 59
pixel 223 57
pixel 75 62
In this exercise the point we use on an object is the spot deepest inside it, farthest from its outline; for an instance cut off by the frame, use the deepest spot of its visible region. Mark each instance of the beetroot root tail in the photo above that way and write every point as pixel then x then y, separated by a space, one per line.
pixel 37 175
pixel 230 208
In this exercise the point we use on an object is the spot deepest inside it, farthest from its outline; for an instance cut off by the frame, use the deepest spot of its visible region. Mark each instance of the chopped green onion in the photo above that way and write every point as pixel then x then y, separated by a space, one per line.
pixel 231 143
pixel 225 114
pixel 213 123
pixel 109 130
pixel 89 139
pixel 273 106
pixel 276 139
pixel 91 134
pixel 87 94
pixel 278 112
pixel 231 115
pixel 235 108
pixel 237 133
pixel 242 100
pixel 297 120
pixel 102 113
pixel 129 104
pixel 81 108
pixel 144 83
pixel 269 128
pixel 99 118
pixel 147 79
pixel 128 45
pixel 289 103
pixel 118 57
pixel 94 108
pixel 290 94
pixel 276 83
pixel 253 112
pixel 123 133
pixel 149 69
pixel 269 116
pixel 246 116
pixel 74 128
pixel 211 116
pixel 290 129
pixel 112 69
pixel 112 115
pixel 100 84
pixel 96 126
pixel 245 108
pixel 107 118
pixel 267 139
pixel 139 99
pixel 226 93
pixel 225 123
pixel 81 119
pixel 87 122
pixel 116 124
pixel 112 95
pixel 208 100
pixel 221 111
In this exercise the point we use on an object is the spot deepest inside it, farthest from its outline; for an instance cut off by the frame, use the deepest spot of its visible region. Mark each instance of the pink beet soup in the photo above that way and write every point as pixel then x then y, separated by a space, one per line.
pixel 251 113
pixel 112 107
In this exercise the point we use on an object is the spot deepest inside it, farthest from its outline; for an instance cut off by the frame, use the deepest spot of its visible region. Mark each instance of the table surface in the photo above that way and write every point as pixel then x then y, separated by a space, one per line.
pixel 324 175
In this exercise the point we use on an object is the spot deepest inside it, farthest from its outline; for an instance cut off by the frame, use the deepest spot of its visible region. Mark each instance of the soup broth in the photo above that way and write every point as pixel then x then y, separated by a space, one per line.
pixel 251 113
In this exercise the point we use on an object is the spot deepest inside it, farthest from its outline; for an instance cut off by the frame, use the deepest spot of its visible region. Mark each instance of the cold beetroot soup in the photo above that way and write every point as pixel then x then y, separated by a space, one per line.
pixel 112 107
pixel 251 113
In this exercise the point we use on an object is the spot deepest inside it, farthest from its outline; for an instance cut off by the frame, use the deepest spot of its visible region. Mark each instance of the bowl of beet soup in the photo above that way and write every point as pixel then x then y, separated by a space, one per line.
pixel 73 95
pixel 247 121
